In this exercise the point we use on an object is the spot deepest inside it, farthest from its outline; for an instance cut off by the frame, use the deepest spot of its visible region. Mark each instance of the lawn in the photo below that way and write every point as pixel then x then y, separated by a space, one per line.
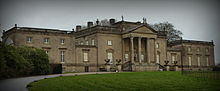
pixel 127 81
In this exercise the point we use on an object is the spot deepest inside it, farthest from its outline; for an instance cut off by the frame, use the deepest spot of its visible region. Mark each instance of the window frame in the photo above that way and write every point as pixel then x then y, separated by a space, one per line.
pixel 199 60
pixel 62 41
pixel 109 42
pixel 93 42
pixel 62 55
pixel 85 57
pixel 46 40
pixel 29 39
pixel 86 42
pixel 157 45
pixel 190 60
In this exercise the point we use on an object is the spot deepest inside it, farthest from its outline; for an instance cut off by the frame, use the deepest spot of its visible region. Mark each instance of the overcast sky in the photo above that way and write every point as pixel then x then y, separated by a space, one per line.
pixel 197 19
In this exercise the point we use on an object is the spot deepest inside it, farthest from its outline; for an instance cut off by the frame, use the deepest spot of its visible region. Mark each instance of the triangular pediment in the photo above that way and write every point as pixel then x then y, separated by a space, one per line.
pixel 143 29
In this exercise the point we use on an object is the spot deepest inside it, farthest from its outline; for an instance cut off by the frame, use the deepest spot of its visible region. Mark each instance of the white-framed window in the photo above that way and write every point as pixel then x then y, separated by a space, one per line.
pixel 93 42
pixel 126 57
pixel 198 49
pixel 158 58
pixel 142 57
pixel 62 56
pixel 207 61
pixel 109 42
pixel 198 59
pixel 87 42
pixel 190 60
pixel 189 49
pixel 85 56
pixel 110 57
pixel 207 50
pixel 157 45
pixel 62 41
pixel 173 58
pixel 29 39
pixel 46 40
pixel 81 43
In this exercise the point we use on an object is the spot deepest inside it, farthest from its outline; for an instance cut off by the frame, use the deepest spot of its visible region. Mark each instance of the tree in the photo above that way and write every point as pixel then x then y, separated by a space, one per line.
pixel 105 22
pixel 172 33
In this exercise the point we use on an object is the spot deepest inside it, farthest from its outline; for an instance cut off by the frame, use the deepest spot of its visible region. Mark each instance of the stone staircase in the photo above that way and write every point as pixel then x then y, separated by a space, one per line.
pixel 127 66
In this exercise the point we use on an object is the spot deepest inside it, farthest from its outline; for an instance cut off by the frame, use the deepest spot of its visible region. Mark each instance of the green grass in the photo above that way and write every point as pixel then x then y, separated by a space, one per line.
pixel 135 81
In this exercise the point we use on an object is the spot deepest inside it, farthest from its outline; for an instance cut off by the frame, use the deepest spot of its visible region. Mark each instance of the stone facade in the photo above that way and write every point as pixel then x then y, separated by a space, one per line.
pixel 121 46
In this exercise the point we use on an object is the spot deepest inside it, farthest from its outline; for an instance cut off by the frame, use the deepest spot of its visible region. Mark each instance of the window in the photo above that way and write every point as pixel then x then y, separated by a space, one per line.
pixel 189 49
pixel 109 57
pixel 198 59
pixel 207 50
pixel 85 56
pixel 93 42
pixel 142 57
pixel 62 41
pixel 173 58
pixel 87 42
pixel 158 58
pixel 198 49
pixel 81 43
pixel 207 61
pixel 126 57
pixel 29 39
pixel 190 60
pixel 109 42
pixel 157 45
pixel 46 40
pixel 62 55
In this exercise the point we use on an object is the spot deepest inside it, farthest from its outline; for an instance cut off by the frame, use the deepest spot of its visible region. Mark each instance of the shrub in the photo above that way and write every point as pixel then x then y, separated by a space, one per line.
pixel 22 61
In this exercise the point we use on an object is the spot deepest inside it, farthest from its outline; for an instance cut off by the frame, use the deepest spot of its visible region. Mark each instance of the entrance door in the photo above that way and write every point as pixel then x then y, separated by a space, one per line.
pixel 86 68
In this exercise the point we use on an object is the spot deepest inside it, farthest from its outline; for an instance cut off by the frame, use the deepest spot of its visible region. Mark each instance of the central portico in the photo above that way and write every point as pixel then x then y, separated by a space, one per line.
pixel 139 47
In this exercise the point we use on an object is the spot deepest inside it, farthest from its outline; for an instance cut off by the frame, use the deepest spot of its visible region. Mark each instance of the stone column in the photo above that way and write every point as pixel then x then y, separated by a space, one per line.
pixel 123 51
pixel 148 50
pixel 139 49
pixel 132 49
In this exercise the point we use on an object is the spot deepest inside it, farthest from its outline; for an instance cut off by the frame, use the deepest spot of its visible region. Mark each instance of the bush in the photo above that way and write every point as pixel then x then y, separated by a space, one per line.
pixel 22 61
pixel 38 58
pixel 11 63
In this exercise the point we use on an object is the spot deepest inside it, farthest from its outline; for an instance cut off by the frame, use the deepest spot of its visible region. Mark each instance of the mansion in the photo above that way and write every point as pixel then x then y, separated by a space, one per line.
pixel 121 46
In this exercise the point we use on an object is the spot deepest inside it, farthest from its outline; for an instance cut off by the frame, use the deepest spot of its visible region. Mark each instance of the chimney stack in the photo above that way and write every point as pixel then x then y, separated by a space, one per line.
pixel 112 21
pixel 89 24
pixel 78 27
